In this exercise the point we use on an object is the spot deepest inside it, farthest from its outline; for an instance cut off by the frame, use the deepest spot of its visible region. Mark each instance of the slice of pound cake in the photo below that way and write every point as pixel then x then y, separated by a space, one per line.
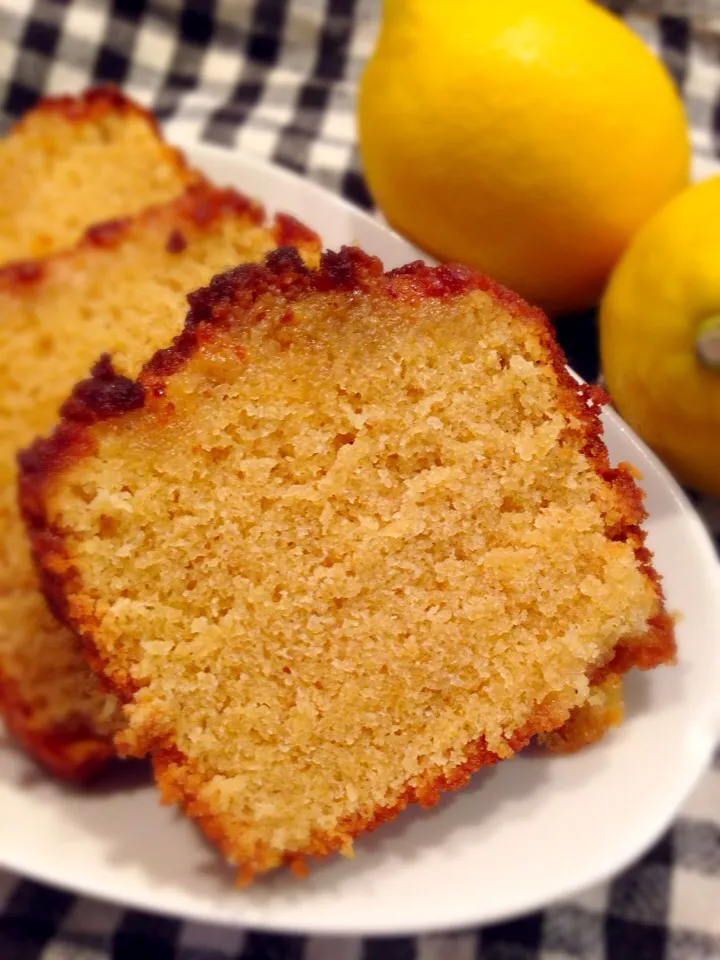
pixel 351 537
pixel 73 161
pixel 123 290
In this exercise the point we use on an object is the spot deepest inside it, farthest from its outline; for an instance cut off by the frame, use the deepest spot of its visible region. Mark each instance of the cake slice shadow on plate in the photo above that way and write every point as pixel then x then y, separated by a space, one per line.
pixel 120 776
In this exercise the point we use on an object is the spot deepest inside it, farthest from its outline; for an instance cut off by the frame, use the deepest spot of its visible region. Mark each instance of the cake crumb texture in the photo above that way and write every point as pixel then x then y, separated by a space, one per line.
pixel 352 537
pixel 73 161
pixel 122 290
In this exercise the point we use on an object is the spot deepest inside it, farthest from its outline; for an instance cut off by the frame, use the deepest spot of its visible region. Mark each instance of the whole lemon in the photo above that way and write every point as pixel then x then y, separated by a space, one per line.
pixel 660 335
pixel 528 138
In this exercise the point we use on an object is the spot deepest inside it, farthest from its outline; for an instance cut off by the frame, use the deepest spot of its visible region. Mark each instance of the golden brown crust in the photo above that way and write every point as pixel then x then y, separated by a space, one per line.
pixel 291 232
pixel 106 395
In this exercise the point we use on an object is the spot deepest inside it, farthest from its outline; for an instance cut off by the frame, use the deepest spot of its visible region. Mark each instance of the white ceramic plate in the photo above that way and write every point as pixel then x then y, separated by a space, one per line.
pixel 534 829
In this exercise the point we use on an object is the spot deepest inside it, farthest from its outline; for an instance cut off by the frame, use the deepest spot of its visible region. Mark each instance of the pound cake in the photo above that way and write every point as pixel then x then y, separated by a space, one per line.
pixel 351 537
pixel 122 289
pixel 74 161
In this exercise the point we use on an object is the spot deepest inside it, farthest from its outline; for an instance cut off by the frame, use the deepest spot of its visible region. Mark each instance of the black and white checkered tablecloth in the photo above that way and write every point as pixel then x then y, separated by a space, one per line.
pixel 276 79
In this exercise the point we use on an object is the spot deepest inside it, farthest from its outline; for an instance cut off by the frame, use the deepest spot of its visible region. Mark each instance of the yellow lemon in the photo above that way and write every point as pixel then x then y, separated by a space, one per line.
pixel 528 138
pixel 660 335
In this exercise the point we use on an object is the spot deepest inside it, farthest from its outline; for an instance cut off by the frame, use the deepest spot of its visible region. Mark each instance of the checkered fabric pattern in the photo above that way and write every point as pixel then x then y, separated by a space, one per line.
pixel 276 78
